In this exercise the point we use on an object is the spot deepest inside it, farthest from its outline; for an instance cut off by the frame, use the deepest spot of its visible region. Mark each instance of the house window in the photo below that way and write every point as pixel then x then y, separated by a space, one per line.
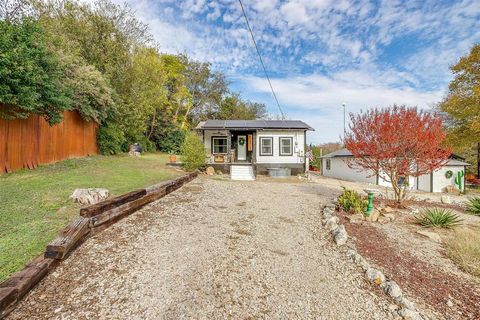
pixel 266 146
pixel 219 145
pixel 286 146
pixel 328 164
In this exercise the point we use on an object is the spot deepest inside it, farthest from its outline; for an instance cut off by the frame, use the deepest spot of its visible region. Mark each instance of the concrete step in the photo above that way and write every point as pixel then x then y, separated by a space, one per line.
pixel 241 173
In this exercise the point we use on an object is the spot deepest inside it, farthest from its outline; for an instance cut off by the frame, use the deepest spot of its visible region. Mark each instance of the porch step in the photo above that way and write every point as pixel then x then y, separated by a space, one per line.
pixel 241 173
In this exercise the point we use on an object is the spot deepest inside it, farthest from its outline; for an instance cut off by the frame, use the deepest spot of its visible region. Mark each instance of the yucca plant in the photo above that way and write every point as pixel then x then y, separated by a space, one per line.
pixel 473 206
pixel 438 218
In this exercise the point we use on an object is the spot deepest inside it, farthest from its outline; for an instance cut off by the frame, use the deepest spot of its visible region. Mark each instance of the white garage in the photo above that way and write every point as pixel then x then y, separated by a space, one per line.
pixel 334 165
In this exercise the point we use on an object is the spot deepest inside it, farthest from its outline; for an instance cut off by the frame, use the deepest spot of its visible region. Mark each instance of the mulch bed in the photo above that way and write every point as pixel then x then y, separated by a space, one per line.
pixel 418 278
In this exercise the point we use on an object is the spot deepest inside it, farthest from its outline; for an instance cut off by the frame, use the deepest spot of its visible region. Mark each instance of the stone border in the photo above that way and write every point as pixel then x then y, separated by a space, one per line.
pixel 92 220
pixel 331 222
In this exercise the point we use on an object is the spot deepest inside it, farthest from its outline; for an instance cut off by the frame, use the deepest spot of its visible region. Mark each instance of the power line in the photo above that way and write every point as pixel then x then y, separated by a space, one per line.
pixel 261 60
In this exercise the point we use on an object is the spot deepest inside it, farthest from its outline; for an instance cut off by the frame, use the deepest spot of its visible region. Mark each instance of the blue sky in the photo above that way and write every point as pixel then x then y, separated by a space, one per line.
pixel 322 53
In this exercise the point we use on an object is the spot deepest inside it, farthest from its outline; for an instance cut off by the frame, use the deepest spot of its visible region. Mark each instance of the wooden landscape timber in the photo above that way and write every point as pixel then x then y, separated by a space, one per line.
pixel 92 219
pixel 108 204
pixel 70 237
pixel 15 287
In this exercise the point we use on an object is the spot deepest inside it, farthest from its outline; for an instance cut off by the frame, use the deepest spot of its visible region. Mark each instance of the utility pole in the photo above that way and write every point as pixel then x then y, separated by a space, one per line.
pixel 478 160
pixel 344 125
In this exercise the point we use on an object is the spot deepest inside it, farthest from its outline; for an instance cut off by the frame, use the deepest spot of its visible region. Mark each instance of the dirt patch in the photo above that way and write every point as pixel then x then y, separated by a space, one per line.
pixel 447 293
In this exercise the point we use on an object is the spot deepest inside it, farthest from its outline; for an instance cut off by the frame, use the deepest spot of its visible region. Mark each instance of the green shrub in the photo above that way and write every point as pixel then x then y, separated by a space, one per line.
pixel 437 218
pixel 110 138
pixel 351 201
pixel 172 141
pixel 193 152
pixel 473 206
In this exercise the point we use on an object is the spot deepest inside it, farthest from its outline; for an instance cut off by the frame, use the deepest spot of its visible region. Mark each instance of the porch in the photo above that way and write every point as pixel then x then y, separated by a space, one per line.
pixel 230 147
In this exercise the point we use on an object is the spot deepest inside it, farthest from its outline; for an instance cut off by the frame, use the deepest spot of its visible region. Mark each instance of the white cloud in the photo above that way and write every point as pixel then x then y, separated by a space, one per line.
pixel 318 99
pixel 362 52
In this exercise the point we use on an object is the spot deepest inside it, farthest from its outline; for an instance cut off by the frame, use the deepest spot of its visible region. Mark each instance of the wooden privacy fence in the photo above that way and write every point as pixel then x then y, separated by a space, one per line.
pixel 26 143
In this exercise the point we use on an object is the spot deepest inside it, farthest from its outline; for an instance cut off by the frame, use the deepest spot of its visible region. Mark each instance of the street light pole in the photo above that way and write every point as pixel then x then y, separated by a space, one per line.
pixel 344 127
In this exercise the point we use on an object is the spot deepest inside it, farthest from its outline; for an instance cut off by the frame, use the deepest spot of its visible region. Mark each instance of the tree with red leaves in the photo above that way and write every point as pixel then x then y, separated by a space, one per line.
pixel 396 143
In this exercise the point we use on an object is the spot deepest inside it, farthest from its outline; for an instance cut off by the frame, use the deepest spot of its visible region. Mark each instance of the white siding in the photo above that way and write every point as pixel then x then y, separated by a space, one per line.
pixel 207 138
pixel 440 182
pixel 298 147
pixel 340 170
pixel 424 183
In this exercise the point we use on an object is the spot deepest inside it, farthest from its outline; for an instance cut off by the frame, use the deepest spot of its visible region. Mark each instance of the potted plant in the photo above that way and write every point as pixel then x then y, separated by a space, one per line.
pixel 172 157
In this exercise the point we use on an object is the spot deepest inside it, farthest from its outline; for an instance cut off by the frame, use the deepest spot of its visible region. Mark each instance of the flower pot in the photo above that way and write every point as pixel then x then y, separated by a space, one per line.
pixel 172 159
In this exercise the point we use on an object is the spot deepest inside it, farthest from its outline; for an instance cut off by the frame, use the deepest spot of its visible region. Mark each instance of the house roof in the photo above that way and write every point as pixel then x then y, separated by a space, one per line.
pixel 253 124
pixel 339 153
pixel 454 162
pixel 345 153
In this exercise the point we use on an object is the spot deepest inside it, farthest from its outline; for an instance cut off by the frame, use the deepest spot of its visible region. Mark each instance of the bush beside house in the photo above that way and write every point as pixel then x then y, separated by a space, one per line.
pixel 193 152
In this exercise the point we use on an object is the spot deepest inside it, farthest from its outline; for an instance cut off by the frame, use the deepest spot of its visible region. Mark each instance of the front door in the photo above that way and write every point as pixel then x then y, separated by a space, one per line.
pixel 242 148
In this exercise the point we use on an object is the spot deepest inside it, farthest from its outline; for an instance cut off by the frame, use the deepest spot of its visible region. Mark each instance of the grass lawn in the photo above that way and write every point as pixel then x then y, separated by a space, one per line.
pixel 35 204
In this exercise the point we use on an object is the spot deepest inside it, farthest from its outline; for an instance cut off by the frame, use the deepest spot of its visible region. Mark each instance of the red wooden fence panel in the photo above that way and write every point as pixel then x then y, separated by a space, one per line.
pixel 26 143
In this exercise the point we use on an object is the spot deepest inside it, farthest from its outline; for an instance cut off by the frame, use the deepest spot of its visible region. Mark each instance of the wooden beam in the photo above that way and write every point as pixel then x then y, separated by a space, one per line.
pixel 68 239
pixel 109 204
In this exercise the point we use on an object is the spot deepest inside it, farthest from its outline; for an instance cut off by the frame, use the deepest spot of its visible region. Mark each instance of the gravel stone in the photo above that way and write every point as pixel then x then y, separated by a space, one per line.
pixel 197 253
pixel 332 220
pixel 340 235
pixel 392 289
pixel 409 314
pixel 375 276
pixel 403 301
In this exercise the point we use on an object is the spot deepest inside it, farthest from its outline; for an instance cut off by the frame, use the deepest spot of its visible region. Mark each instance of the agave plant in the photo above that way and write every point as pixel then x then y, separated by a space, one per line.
pixel 473 206
pixel 438 218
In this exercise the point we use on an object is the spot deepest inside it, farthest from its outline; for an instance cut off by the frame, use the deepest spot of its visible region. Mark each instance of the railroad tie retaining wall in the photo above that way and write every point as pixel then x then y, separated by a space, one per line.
pixel 92 219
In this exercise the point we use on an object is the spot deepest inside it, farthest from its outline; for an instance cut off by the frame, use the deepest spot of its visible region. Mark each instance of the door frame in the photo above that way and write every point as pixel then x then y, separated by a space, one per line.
pixel 244 146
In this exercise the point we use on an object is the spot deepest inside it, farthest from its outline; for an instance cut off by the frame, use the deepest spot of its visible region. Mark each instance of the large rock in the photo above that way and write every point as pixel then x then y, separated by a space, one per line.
pixel 453 190
pixel 392 289
pixel 354 218
pixel 340 235
pixel 210 171
pixel 388 216
pixel 330 223
pixel 89 196
pixel 409 314
pixel 431 235
pixel 446 199
pixel 375 276
pixel 373 216
pixel 388 209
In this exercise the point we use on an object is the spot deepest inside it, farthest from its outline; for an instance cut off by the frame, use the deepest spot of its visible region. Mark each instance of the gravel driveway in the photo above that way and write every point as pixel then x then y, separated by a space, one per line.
pixel 212 250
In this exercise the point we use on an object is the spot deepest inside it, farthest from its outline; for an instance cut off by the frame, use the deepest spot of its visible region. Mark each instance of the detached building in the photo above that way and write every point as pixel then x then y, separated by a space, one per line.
pixel 245 148
pixel 335 165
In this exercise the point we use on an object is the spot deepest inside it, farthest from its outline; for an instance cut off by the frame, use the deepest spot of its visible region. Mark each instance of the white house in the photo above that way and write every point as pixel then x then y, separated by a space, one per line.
pixel 244 148
pixel 335 165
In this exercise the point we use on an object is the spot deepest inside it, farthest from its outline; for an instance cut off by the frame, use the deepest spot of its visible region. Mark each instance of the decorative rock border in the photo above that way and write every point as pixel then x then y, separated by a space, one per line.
pixel 92 220
pixel 331 222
